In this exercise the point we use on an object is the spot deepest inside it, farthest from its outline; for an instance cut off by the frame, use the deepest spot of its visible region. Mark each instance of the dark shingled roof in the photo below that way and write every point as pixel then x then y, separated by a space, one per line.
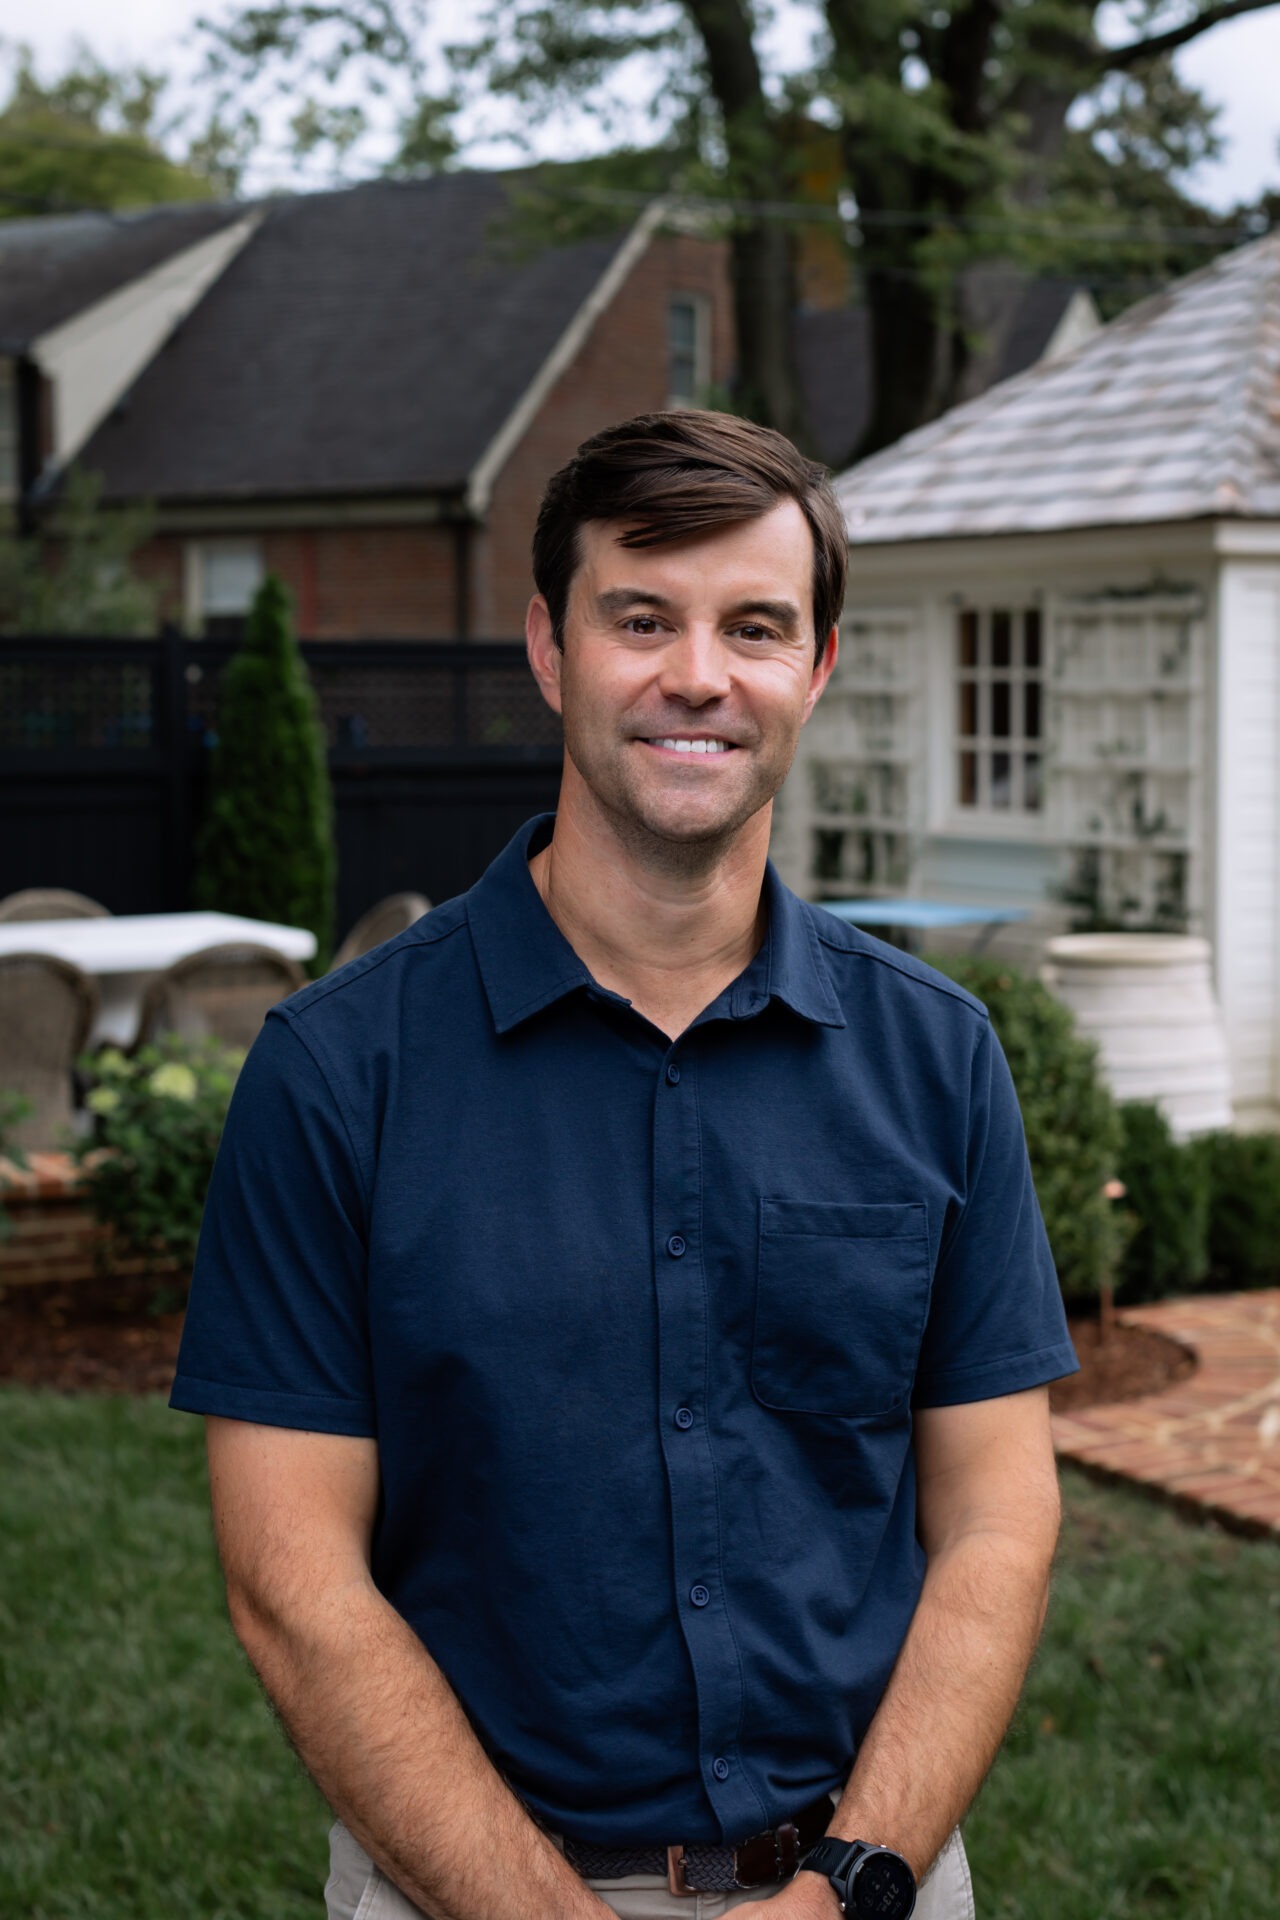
pixel 53 268
pixel 833 361
pixel 367 341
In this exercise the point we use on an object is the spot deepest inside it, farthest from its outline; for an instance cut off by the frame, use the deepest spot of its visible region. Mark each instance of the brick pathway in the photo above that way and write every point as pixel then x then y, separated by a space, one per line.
pixel 1211 1443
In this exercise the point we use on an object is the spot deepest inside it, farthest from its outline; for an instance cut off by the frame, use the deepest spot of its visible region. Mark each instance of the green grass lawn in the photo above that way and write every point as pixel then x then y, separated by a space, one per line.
pixel 142 1778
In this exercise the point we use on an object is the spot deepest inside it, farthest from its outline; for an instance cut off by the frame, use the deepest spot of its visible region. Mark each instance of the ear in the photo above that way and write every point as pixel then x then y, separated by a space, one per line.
pixel 545 657
pixel 822 672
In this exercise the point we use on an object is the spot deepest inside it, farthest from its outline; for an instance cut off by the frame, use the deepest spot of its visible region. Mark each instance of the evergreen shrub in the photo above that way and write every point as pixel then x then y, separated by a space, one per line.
pixel 1071 1122
pixel 1167 1193
pixel 1244 1208
pixel 266 848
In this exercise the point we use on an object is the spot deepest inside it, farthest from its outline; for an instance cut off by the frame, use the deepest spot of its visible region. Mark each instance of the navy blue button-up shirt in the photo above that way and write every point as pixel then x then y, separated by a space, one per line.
pixel 638 1325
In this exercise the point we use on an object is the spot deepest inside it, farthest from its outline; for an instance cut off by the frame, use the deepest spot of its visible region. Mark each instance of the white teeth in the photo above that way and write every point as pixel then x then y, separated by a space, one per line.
pixel 695 746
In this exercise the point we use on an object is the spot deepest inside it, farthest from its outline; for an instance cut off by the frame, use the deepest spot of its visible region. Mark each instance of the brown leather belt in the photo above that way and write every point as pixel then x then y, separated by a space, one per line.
pixel 761 1861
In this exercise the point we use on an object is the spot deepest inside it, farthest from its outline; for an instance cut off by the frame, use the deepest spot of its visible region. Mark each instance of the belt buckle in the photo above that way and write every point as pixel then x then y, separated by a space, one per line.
pixel 676 1882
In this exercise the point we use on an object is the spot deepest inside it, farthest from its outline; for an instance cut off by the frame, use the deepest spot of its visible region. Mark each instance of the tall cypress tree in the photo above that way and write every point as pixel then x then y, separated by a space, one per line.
pixel 267 846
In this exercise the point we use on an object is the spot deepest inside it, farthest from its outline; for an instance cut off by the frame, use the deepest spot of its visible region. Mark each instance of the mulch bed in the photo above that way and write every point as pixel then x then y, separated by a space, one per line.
pixel 121 1336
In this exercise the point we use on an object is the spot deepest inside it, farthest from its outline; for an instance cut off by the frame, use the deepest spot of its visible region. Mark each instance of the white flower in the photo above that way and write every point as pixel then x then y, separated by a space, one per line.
pixel 102 1100
pixel 173 1081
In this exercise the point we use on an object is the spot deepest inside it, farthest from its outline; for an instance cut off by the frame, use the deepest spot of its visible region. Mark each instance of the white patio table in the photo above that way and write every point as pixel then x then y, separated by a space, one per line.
pixel 125 951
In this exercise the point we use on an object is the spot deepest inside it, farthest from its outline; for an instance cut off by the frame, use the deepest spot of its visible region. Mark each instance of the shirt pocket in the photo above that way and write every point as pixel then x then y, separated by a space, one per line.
pixel 841 1298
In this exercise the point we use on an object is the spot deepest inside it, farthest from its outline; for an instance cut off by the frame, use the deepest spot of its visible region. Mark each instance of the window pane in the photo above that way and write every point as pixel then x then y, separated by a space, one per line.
pixel 1031 782
pixel 1031 636
pixel 1031 710
pixel 968 708
pixel 1001 639
pixel 1000 709
pixel 232 576
pixel 968 779
pixel 968 633
pixel 1001 777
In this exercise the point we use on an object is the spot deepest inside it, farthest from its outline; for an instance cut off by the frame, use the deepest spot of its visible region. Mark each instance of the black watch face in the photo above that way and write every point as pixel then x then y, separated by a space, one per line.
pixel 883 1888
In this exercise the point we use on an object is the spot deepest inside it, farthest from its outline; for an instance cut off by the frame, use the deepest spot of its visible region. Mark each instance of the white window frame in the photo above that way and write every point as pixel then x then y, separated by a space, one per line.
pixel 199 603
pixel 700 307
pixel 982 819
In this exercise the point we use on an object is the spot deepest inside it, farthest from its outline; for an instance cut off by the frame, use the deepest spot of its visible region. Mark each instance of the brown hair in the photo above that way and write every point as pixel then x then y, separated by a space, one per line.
pixel 668 476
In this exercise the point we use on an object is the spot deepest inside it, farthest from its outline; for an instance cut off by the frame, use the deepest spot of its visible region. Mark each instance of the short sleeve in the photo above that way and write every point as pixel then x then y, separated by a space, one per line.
pixel 276 1328
pixel 996 1323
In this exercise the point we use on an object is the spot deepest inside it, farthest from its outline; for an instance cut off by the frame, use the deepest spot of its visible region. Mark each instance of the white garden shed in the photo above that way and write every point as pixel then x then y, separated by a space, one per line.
pixel 1059 684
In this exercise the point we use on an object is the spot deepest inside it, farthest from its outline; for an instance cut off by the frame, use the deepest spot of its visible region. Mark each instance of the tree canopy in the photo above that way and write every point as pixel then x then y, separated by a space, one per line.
pixel 99 137
pixel 934 139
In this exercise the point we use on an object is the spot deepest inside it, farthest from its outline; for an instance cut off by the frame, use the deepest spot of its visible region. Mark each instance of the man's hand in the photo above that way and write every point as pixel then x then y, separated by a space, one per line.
pixel 370 1713
pixel 809 1896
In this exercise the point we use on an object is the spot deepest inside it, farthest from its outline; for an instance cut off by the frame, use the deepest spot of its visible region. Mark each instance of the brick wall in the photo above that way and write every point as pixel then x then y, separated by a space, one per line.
pixel 621 370
pixel 54 1237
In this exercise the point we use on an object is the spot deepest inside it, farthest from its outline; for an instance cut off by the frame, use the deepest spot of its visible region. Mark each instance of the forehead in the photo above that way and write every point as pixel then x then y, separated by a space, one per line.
pixel 770 557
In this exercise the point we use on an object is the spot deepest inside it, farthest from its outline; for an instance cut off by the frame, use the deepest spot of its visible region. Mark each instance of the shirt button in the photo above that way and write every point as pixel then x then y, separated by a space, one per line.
pixel 699 1596
pixel 684 1418
pixel 673 1075
pixel 677 1246
pixel 720 1767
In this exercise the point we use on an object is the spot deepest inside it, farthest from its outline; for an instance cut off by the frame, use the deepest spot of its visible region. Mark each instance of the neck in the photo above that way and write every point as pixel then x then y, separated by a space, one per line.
pixel 666 927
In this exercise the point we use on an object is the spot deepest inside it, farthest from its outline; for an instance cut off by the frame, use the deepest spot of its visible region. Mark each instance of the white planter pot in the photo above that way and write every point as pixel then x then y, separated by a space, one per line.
pixel 1147 1001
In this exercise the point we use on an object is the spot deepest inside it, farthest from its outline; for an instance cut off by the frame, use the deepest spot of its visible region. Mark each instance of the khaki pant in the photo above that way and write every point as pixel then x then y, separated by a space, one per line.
pixel 356 1890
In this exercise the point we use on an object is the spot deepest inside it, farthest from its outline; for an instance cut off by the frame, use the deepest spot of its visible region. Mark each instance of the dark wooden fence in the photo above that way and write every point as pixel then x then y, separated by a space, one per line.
pixel 437 753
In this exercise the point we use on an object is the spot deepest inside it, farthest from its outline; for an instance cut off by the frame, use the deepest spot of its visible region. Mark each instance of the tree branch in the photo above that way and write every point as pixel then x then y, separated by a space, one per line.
pixel 1137 52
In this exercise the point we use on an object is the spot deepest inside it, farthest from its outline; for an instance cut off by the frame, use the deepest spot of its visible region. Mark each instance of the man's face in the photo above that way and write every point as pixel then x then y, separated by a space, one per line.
pixel 687 673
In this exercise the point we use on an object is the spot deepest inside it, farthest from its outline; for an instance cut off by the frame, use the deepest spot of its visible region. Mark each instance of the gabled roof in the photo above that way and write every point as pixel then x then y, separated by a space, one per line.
pixel 55 267
pixel 1170 413
pixel 833 360
pixel 370 341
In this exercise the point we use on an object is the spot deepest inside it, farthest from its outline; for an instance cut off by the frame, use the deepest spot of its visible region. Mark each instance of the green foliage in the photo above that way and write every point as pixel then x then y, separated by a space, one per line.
pixel 92 138
pixel 14 1107
pixel 1244 1216
pixel 1072 1128
pixel 159 1115
pixel 1167 1191
pixel 79 581
pixel 267 848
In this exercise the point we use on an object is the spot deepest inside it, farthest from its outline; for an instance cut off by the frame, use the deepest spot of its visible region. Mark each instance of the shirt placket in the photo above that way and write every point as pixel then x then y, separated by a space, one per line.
pixel 686 1359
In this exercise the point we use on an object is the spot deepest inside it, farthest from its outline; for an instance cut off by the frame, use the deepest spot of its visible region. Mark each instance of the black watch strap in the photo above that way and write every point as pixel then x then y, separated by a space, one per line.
pixel 830 1854
pixel 868 1880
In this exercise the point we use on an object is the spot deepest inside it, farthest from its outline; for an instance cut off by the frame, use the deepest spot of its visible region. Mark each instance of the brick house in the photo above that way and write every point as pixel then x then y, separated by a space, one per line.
pixel 362 390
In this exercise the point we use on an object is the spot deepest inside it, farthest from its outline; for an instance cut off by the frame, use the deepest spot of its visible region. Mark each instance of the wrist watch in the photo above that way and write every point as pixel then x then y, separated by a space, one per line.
pixel 871 1883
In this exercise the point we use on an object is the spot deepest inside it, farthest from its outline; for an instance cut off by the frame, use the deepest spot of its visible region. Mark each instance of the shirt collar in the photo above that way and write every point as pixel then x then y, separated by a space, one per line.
pixel 526 963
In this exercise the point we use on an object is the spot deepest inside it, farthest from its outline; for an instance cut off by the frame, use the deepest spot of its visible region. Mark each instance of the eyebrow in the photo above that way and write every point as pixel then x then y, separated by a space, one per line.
pixel 782 613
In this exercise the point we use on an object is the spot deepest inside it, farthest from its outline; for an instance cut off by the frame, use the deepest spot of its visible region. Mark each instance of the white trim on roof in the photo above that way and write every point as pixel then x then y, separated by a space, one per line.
pixel 483 476
pixel 96 355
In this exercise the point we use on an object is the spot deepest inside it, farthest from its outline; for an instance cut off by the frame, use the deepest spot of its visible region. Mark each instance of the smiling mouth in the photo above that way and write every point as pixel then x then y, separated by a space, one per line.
pixel 703 744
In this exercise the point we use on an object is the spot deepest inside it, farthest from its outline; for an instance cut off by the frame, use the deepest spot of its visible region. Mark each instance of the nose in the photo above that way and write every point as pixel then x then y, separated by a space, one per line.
pixel 695 667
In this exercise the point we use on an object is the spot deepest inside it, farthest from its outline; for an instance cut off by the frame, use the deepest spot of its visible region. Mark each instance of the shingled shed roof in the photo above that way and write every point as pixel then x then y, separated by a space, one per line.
pixel 369 341
pixel 57 266
pixel 1170 413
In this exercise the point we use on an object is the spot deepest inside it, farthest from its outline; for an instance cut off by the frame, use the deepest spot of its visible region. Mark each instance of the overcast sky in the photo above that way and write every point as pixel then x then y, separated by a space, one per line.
pixel 1237 65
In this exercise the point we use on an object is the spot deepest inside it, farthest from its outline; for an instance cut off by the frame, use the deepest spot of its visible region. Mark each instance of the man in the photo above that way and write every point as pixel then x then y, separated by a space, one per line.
pixel 623 1310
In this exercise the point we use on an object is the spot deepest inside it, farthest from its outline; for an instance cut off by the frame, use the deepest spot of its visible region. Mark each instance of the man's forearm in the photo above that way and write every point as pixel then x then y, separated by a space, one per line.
pixel 951 1696
pixel 387 1742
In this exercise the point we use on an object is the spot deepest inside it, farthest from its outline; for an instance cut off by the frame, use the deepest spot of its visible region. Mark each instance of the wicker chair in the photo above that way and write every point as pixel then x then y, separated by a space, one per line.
pixel 51 903
pixel 47 1007
pixel 223 992
pixel 389 917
